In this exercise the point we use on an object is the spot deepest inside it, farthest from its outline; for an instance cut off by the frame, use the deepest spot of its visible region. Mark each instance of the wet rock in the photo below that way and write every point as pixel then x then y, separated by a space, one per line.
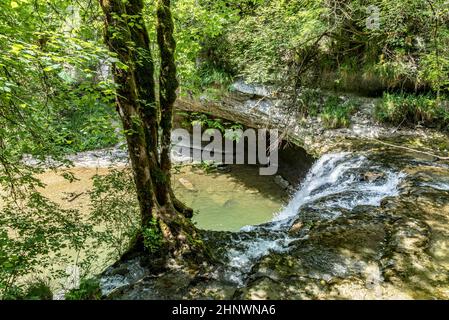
pixel 371 176
pixel 121 270
pixel 230 203
pixel 349 247
pixel 281 182
pixel 339 246
pixel 121 275
pixel 212 289
pixel 296 228
pixel 223 168
pixel 300 288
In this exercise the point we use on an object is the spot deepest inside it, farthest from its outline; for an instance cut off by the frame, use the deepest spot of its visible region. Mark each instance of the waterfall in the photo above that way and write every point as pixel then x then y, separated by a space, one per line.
pixel 334 182
pixel 339 173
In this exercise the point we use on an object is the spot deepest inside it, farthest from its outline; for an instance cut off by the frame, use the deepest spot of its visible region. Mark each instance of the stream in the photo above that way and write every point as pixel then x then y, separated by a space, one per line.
pixel 334 183
pixel 365 223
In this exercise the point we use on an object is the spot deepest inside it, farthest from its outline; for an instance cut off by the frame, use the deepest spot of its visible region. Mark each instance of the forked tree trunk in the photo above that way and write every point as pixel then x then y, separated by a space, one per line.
pixel 142 117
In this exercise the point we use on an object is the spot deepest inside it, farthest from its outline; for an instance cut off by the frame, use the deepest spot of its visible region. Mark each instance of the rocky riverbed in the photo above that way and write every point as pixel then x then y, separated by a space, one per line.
pixel 364 225
pixel 368 221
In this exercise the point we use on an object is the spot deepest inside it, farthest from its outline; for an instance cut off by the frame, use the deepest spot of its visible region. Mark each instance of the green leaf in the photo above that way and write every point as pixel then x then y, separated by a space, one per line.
pixel 52 67
pixel 16 48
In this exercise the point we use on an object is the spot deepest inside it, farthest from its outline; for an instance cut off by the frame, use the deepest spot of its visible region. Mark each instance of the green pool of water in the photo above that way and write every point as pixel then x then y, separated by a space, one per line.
pixel 229 201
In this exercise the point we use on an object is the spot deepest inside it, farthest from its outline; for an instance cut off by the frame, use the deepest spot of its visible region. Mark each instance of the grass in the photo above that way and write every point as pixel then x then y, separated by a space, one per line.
pixel 334 111
pixel 410 109
pixel 337 113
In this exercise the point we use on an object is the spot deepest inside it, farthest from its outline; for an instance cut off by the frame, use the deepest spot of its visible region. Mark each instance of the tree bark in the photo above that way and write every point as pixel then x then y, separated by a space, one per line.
pixel 168 84
pixel 142 117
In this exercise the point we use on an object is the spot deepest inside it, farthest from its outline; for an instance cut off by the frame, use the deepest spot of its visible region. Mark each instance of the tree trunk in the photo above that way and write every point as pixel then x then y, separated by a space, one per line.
pixel 167 231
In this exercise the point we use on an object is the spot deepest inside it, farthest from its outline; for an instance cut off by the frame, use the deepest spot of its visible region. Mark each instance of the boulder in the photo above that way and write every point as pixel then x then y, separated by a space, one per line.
pixel 296 228
pixel 371 176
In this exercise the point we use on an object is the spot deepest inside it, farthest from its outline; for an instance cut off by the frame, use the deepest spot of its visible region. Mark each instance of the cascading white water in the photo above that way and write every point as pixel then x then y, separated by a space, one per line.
pixel 337 174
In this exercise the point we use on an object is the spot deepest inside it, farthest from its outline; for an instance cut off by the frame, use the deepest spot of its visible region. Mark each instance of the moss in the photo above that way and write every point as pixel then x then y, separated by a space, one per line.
pixel 159 176
pixel 89 289
pixel 195 242
pixel 152 236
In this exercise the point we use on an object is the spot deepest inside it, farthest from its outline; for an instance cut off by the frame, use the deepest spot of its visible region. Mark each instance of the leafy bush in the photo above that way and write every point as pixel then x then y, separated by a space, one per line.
pixel 32 227
pixel 208 122
pixel 35 290
pixel 261 44
pixel 413 109
pixel 332 45
pixel 89 289
pixel 90 127
pixel 39 290
pixel 310 102
pixel 214 77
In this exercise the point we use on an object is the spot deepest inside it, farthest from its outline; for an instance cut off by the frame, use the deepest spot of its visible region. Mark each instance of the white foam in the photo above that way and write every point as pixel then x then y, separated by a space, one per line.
pixel 333 174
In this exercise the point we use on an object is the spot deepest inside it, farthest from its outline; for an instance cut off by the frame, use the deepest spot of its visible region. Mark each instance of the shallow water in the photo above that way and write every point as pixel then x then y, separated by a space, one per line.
pixel 225 201
pixel 222 201
pixel 228 201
